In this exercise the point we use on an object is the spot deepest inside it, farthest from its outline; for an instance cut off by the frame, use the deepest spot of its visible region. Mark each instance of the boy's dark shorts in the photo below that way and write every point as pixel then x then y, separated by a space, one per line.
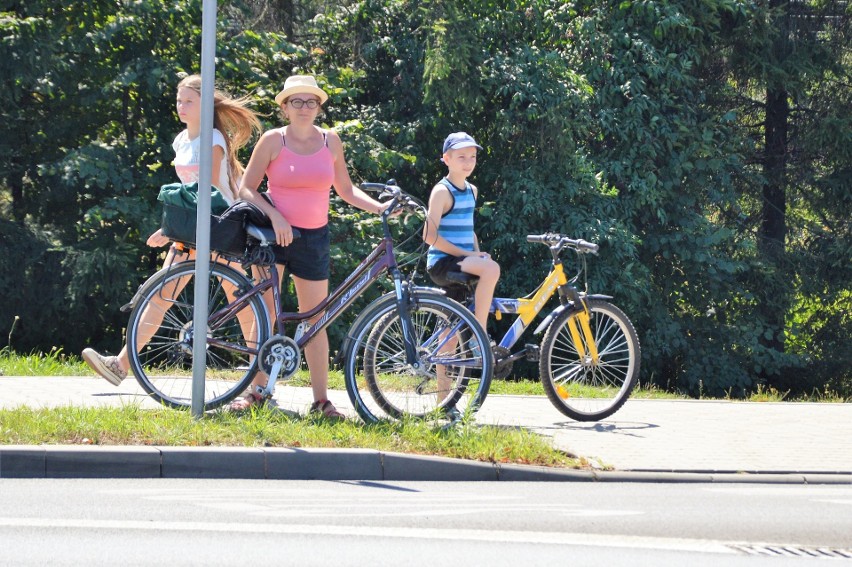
pixel 307 257
pixel 438 273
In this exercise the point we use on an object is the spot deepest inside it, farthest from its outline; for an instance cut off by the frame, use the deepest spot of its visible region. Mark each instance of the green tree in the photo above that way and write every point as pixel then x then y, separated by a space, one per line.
pixel 615 121
pixel 89 104
pixel 705 144
pixel 786 73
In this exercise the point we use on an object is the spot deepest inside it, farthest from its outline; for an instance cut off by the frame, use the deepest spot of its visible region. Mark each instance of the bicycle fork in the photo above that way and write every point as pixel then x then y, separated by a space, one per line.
pixel 584 325
pixel 580 328
pixel 403 306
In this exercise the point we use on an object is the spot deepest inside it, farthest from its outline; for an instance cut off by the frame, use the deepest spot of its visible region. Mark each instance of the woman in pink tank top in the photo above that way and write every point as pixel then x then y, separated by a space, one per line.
pixel 302 163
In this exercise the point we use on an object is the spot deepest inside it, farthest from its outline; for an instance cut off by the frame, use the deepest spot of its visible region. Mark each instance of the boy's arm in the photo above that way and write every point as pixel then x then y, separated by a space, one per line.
pixel 475 238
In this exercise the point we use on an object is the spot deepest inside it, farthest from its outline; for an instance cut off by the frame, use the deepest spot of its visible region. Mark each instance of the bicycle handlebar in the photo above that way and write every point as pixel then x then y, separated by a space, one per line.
pixel 560 240
pixel 395 192
pixel 374 187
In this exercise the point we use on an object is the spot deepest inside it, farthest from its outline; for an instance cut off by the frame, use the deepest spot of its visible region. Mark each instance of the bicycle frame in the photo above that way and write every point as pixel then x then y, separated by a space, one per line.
pixel 382 259
pixel 245 306
pixel 528 309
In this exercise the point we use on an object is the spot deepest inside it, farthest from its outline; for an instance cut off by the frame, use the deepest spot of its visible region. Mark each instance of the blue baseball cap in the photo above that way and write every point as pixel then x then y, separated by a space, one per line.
pixel 458 140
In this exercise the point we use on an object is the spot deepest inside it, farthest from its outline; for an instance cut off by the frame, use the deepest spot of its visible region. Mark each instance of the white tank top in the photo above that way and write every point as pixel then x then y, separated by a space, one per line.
pixel 188 156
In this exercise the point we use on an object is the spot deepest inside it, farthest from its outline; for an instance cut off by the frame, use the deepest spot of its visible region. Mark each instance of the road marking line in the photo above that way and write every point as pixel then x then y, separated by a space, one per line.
pixel 493 536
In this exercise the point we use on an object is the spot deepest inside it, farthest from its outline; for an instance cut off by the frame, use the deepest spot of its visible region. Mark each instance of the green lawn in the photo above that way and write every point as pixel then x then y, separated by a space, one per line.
pixel 267 427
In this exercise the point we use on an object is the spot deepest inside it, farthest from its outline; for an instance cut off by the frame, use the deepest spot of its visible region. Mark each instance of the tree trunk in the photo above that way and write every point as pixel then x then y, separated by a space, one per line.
pixel 773 227
pixel 287 16
pixel 16 184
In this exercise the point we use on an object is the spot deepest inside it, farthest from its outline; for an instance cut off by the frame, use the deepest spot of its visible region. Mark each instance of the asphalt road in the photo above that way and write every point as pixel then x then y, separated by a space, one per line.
pixel 218 522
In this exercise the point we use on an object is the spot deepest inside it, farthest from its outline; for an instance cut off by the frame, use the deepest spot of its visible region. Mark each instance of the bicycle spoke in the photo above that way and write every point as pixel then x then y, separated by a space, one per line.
pixel 162 325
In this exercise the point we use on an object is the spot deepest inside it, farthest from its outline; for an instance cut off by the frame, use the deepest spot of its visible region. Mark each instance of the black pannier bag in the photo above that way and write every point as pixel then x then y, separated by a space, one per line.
pixel 249 213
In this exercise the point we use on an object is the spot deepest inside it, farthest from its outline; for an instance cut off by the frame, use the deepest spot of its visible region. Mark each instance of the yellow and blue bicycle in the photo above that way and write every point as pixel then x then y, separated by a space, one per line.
pixel 589 355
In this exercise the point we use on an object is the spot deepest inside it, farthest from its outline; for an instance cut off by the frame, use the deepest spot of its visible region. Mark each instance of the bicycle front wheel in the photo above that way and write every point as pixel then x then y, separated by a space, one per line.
pixel 163 330
pixel 453 368
pixel 578 386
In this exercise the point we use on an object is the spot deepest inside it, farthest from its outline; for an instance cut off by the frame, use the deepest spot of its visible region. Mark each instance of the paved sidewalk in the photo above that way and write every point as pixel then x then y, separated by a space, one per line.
pixel 695 436
pixel 654 438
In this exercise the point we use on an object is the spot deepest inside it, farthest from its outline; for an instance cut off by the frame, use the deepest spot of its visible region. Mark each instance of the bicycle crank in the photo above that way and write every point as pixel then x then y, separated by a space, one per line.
pixel 503 362
pixel 279 358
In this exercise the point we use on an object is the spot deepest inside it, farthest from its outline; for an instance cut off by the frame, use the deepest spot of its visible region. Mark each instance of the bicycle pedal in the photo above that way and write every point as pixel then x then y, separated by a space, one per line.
pixel 533 353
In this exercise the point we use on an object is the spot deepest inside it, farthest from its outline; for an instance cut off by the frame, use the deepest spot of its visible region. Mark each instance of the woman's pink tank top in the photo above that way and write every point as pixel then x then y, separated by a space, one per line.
pixel 300 185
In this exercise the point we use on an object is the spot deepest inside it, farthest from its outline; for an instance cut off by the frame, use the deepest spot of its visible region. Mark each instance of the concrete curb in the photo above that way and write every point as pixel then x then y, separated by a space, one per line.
pixel 74 461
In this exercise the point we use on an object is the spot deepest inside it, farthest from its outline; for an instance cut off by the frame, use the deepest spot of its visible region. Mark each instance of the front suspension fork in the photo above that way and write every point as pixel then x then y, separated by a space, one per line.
pixel 403 306
pixel 581 323
pixel 580 326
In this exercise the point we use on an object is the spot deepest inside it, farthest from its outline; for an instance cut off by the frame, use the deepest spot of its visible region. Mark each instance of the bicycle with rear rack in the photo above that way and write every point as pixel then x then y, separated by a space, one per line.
pixel 589 355
pixel 444 350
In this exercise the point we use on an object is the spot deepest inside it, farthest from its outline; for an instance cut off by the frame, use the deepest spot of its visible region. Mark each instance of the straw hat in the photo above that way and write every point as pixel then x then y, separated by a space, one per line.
pixel 300 84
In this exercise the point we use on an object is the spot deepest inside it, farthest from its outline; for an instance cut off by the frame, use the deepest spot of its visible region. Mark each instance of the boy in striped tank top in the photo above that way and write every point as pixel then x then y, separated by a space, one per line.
pixel 453 246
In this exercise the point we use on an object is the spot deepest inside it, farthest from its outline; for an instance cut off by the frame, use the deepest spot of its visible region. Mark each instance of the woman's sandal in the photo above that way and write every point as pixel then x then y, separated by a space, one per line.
pixel 250 400
pixel 327 409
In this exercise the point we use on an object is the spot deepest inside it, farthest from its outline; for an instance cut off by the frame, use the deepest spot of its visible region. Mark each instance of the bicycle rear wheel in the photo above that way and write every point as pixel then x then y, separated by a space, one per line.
pixel 454 361
pixel 162 326
pixel 577 386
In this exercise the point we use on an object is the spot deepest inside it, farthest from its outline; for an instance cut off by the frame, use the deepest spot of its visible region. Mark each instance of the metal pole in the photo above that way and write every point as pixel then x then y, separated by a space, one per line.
pixel 202 237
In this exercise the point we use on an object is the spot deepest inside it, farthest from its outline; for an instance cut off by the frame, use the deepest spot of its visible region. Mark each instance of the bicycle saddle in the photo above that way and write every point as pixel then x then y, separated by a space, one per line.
pixel 265 235
pixel 462 278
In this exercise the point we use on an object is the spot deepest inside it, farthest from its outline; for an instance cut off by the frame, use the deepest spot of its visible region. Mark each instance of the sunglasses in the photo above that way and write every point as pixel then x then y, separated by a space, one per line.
pixel 298 103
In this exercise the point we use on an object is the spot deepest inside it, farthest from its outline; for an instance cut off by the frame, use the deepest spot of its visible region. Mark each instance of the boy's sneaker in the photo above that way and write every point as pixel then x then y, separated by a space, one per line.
pixel 105 366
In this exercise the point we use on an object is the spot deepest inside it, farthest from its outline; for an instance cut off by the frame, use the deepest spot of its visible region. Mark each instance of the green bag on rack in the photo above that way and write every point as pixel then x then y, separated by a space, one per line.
pixel 186 195
pixel 180 216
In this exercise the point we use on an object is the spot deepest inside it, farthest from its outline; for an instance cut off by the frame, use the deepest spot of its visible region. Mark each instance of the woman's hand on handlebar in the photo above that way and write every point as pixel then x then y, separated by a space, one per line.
pixel 385 206
pixel 399 199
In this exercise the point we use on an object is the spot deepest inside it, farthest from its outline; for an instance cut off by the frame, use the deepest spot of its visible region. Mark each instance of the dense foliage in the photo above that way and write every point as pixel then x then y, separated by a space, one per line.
pixel 705 144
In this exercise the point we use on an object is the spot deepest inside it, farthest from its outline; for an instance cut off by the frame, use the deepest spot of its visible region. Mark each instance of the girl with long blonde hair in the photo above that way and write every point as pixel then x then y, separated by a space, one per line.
pixel 234 125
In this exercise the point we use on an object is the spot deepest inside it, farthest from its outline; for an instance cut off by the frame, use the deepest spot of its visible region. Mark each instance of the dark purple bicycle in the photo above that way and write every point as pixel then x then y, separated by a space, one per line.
pixel 411 352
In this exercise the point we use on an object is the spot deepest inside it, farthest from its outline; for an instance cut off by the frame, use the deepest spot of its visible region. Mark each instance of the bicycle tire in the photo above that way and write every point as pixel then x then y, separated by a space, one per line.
pixel 382 386
pixel 579 388
pixel 163 366
pixel 383 361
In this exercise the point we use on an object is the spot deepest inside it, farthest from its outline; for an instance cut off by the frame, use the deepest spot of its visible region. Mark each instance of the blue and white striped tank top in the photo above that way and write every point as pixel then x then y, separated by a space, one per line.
pixel 457 224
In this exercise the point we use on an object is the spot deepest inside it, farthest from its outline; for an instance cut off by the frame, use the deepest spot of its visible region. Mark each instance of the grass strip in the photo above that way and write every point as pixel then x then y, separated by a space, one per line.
pixel 270 427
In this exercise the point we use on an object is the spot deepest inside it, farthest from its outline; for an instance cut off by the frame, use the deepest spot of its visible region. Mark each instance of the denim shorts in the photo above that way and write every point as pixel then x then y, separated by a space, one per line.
pixel 308 257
